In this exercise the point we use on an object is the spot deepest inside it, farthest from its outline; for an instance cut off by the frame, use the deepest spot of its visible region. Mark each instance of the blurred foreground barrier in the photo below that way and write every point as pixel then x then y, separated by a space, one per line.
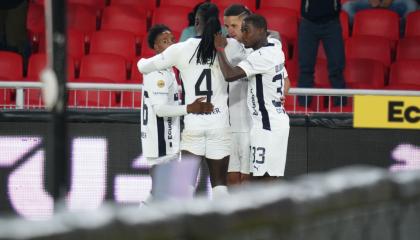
pixel 349 203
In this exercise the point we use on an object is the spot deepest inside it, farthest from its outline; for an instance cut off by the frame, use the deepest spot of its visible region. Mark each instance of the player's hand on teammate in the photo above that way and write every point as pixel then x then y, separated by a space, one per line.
pixel 282 100
pixel 199 106
pixel 219 41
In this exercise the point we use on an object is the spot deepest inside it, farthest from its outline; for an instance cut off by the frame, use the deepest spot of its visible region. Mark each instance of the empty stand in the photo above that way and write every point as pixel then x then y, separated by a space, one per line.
pixel 290 4
pixel 412 27
pixel 364 74
pixel 117 42
pixel 374 48
pixel 103 66
pixel 222 4
pixel 377 22
pixel 146 52
pixel 408 49
pixel 82 17
pixel 135 76
pixel 180 3
pixel 11 66
pixel 35 21
pixel 285 21
pixel 174 17
pixel 97 4
pixel 124 17
pixel 405 73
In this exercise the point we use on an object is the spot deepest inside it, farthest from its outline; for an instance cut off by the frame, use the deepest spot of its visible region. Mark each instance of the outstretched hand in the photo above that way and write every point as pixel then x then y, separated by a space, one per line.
pixel 219 41
pixel 199 106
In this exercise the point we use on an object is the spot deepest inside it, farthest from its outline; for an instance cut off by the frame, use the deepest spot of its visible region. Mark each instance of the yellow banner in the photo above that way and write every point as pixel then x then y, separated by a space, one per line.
pixel 386 112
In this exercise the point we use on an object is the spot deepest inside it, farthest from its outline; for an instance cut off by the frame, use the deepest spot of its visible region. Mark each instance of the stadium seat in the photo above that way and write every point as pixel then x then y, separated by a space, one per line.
pixel 290 4
pixel 117 42
pixel 92 98
pixel 180 3
pixel 405 73
pixel 409 48
pixel 35 21
pixel 130 99
pixel 82 17
pixel 364 74
pixel 345 25
pixel 174 17
pixel 75 44
pixel 136 76
pixel 37 63
pixel 222 4
pixel 144 7
pixel 104 66
pixel 124 17
pixel 377 22
pixel 97 4
pixel 412 27
pixel 283 20
pixel 11 66
pixel 146 52
pixel 369 47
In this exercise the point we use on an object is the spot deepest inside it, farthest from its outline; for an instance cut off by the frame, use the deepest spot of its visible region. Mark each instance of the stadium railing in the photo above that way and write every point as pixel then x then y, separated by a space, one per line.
pixel 320 100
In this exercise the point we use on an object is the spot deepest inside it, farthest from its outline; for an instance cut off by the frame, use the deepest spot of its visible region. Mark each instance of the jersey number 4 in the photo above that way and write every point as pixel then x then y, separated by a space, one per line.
pixel 205 75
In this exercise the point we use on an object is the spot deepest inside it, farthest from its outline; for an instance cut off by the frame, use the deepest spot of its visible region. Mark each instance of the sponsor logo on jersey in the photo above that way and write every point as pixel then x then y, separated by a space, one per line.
pixel 278 68
pixel 160 83
pixel 387 112
pixel 254 104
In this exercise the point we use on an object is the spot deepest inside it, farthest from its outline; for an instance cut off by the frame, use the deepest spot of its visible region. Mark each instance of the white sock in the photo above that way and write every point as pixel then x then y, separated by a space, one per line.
pixel 219 191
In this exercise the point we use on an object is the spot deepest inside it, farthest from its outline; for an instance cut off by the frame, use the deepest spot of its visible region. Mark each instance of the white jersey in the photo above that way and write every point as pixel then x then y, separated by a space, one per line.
pixel 266 73
pixel 199 80
pixel 160 136
pixel 240 118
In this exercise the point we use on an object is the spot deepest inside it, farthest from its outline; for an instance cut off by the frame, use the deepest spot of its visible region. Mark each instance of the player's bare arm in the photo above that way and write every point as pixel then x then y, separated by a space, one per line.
pixel 229 72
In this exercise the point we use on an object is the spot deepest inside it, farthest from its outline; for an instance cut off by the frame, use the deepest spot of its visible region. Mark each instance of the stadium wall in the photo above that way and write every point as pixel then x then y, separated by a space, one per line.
pixel 107 145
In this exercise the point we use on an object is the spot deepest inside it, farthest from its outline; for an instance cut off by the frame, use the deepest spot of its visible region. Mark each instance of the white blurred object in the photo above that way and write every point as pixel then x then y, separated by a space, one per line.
pixel 49 87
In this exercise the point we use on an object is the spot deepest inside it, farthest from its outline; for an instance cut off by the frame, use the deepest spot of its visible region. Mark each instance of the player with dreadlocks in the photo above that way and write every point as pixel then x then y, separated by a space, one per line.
pixel 205 135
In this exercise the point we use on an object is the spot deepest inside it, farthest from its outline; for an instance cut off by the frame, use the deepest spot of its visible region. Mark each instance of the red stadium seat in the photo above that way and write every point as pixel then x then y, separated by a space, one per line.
pixel 11 66
pixel 75 44
pixel 364 74
pixel 174 17
pixel 290 4
pixel 35 21
pixel 222 4
pixel 130 99
pixel 10 69
pixel 405 73
pixel 345 25
pixel 136 76
pixel 377 22
pixel 374 48
pixel 104 66
pixel 97 4
pixel 144 7
pixel 82 17
pixel 283 20
pixel 92 98
pixel 409 49
pixel 37 63
pixel 124 17
pixel 412 27
pixel 146 52
pixel 180 3
pixel 117 42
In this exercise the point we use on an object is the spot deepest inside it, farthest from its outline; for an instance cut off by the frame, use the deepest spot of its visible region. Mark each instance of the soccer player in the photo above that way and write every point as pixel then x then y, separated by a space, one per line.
pixel 160 130
pixel 265 70
pixel 205 135
pixel 239 163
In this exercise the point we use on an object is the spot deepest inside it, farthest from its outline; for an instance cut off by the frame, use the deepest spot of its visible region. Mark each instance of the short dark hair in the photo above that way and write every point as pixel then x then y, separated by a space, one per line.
pixel 154 33
pixel 257 21
pixel 236 10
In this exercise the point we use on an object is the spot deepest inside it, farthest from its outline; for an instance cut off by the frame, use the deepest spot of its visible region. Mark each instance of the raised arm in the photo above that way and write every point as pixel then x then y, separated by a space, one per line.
pixel 164 60
pixel 230 72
